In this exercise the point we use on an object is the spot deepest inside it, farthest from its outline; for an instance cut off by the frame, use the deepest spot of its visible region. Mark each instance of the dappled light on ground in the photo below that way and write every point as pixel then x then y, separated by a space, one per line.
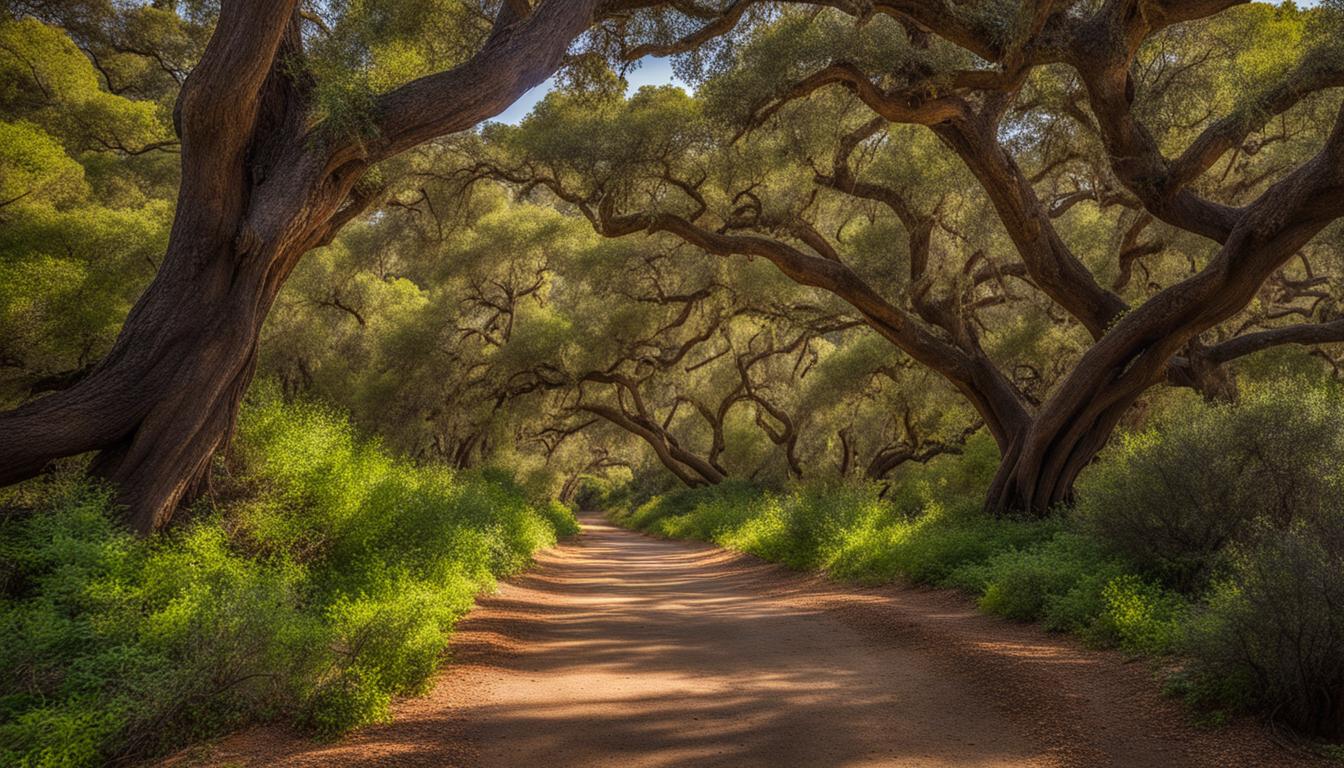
pixel 624 650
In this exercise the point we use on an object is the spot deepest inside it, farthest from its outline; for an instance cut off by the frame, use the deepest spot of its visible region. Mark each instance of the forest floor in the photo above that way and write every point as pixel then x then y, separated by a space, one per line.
pixel 623 650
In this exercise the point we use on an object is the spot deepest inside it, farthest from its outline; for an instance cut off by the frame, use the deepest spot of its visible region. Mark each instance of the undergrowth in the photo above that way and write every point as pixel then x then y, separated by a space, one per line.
pixel 328 585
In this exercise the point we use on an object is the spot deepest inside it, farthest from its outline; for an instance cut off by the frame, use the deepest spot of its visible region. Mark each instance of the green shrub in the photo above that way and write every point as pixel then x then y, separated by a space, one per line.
pixel 1273 635
pixel 560 516
pixel 846 531
pixel 1140 617
pixel 1068 583
pixel 1022 583
pixel 330 586
pixel 1171 499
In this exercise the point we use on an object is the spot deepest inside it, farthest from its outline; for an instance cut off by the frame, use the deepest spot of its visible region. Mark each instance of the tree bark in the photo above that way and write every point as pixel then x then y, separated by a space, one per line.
pixel 260 187
pixel 1071 427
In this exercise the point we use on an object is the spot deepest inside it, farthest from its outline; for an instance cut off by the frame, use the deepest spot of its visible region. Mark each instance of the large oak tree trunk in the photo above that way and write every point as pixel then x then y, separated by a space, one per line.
pixel 165 398
pixel 256 193
pixel 1037 473
pixel 260 187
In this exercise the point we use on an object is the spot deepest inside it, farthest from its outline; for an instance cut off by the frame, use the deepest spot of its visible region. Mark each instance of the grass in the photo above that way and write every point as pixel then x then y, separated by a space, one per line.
pixel 328 586
pixel 928 529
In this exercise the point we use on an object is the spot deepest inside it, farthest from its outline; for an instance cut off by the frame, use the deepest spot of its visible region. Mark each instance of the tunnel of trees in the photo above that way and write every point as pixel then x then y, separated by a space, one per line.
pixel 851 241
pixel 1162 198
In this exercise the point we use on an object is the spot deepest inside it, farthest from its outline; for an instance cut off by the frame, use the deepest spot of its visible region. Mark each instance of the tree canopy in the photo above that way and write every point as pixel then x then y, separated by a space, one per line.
pixel 871 233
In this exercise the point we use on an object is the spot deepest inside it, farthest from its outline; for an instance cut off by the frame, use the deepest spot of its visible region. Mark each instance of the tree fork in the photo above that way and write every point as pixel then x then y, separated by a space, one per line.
pixel 259 189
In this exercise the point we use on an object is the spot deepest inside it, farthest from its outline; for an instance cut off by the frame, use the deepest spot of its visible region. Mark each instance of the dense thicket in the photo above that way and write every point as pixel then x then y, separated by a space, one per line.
pixel 325 579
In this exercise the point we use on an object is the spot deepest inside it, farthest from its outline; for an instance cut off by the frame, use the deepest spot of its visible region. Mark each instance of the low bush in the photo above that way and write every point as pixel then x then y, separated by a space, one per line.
pixel 327 587
pixel 846 531
pixel 1070 584
pixel 1238 507
pixel 1171 499
pixel 1272 638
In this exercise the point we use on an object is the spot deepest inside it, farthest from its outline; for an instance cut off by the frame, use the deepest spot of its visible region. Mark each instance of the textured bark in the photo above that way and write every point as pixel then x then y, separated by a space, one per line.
pixel 260 187
pixel 1076 421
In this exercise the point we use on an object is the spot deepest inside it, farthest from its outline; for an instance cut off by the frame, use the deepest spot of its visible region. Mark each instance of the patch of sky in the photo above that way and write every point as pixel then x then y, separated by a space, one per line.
pixel 651 71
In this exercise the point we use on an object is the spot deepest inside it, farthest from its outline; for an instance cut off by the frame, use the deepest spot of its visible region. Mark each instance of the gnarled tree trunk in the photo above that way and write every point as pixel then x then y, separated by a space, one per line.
pixel 260 187
pixel 1074 424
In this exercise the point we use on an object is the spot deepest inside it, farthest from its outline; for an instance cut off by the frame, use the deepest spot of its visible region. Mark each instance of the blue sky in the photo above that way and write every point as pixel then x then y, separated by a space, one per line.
pixel 651 71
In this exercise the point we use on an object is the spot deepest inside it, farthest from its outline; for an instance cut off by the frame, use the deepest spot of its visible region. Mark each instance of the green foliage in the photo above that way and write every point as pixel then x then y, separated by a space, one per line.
pixel 800 42
pixel 46 76
pixel 1068 583
pixel 457 327
pixel 1140 616
pixel 1238 507
pixel 1172 498
pixel 560 516
pixel 367 48
pixel 329 587
pixel 604 140
pixel 85 205
pixel 1272 638
pixel 848 532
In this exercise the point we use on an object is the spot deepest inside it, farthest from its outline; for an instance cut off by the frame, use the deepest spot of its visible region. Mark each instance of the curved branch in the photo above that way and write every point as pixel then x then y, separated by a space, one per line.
pixel 1315 73
pixel 516 57
pixel 1331 332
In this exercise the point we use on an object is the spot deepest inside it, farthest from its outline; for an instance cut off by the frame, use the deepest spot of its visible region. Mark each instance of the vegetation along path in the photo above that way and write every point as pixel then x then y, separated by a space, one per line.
pixel 624 650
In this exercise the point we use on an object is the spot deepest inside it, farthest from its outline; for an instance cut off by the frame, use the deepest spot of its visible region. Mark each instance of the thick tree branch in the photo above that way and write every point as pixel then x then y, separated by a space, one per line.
pixel 518 55
pixel 1331 332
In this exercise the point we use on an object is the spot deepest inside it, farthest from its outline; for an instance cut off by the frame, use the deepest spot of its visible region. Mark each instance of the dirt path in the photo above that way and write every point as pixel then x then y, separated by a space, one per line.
pixel 623 650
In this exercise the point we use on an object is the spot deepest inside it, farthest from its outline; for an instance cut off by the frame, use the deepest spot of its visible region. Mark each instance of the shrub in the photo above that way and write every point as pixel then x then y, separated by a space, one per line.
pixel 848 532
pixel 931 548
pixel 132 645
pixel 560 516
pixel 1069 584
pixel 329 586
pixel 1171 499
pixel 1140 616
pixel 1022 583
pixel 1273 635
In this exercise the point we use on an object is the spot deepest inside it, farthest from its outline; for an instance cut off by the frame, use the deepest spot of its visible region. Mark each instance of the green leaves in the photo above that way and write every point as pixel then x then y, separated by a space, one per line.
pixel 800 42
pixel 331 583
pixel 366 48
pixel 35 168
pixel 83 218
pixel 602 140
pixel 49 80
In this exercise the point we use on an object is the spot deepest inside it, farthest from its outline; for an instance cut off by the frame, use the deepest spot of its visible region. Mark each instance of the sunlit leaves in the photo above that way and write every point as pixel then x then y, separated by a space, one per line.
pixel 67 279
pixel 48 79
pixel 366 48
pixel 800 42
pixel 35 167
pixel 82 224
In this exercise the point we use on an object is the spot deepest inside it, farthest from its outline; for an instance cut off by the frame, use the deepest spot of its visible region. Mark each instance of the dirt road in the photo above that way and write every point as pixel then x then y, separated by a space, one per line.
pixel 623 650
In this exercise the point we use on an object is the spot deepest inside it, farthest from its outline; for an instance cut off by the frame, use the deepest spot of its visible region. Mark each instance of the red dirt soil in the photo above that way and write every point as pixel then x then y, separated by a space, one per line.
pixel 624 650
